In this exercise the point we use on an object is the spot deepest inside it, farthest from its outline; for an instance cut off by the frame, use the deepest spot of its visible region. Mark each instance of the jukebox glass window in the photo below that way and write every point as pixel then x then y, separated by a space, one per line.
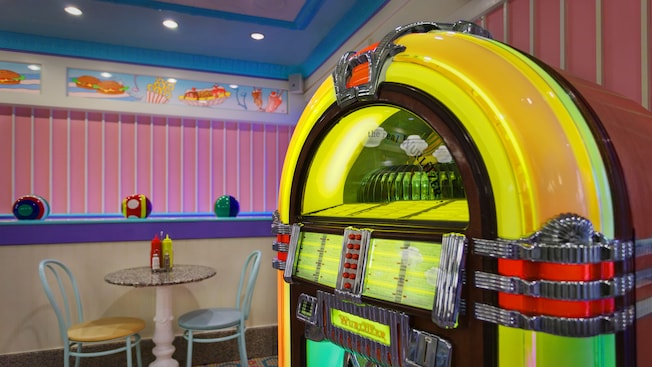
pixel 382 161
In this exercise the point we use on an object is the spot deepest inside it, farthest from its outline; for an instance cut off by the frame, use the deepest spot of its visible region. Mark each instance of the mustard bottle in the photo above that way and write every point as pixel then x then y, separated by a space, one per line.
pixel 167 249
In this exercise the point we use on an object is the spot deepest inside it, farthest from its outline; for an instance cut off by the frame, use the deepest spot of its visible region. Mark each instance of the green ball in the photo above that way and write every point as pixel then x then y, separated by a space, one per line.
pixel 226 206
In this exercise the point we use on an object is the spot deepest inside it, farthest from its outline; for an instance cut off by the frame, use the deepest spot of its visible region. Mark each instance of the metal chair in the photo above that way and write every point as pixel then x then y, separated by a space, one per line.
pixel 75 332
pixel 216 319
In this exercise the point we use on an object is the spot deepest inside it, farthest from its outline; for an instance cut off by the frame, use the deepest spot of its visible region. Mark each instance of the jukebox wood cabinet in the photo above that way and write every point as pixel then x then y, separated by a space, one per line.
pixel 447 200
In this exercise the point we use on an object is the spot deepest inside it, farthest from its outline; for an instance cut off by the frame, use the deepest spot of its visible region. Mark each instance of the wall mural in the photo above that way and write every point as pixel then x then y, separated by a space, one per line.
pixel 20 78
pixel 162 90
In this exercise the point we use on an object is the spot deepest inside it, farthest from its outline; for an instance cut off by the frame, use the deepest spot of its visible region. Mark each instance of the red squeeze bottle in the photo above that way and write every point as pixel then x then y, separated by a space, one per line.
pixel 155 251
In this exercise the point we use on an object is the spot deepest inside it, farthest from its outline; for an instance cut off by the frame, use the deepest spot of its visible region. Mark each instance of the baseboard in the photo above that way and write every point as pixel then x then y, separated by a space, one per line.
pixel 261 342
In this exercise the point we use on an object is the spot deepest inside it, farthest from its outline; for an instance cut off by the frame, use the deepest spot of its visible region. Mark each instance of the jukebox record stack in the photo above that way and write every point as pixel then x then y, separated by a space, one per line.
pixel 428 216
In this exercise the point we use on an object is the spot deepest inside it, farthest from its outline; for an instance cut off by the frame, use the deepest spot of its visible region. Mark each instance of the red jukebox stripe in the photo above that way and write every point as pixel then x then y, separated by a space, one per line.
pixel 554 307
pixel 529 270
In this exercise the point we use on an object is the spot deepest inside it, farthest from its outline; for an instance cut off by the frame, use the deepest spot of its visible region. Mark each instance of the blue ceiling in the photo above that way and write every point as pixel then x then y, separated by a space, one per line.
pixel 212 36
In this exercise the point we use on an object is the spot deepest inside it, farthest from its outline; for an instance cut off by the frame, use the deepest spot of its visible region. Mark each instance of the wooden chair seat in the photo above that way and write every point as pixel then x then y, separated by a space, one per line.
pixel 105 329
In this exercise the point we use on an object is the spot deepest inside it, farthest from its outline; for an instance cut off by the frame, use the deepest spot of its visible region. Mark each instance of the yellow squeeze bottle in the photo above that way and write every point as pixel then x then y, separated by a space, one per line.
pixel 167 249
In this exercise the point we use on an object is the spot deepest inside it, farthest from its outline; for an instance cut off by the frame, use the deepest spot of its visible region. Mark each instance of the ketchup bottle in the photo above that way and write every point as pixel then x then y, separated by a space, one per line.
pixel 155 252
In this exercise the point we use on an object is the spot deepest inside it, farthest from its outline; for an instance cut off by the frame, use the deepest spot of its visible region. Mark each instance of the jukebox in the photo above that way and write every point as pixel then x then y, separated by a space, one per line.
pixel 448 200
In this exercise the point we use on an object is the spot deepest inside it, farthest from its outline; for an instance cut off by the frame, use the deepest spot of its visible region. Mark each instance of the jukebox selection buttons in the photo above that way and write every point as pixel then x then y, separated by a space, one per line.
pixel 354 249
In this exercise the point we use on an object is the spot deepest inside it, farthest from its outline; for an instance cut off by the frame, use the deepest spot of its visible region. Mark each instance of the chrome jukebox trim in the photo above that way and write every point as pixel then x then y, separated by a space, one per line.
pixel 448 286
pixel 377 58
pixel 567 239
pixel 279 228
pixel 428 350
pixel 385 355
pixel 291 262
pixel 566 290
pixel 562 326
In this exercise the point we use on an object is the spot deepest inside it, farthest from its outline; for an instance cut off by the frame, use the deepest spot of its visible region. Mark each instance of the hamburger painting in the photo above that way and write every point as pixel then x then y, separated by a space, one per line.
pixel 20 77
pixel 86 83
pixel 10 77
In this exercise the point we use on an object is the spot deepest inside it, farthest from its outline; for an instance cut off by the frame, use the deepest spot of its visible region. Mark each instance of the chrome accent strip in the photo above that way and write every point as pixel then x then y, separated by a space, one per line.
pixel 644 308
pixel 428 350
pixel 643 277
pixel 562 326
pixel 448 286
pixel 278 264
pixel 291 262
pixel 643 247
pixel 566 239
pixel 279 227
pixel 565 290
pixel 280 246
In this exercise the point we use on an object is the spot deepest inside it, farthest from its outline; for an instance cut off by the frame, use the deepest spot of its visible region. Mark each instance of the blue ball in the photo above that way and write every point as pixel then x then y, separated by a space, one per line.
pixel 31 207
pixel 226 206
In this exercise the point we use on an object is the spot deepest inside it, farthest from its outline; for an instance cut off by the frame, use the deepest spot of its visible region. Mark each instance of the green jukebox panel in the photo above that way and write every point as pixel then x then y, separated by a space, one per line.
pixel 403 272
pixel 317 257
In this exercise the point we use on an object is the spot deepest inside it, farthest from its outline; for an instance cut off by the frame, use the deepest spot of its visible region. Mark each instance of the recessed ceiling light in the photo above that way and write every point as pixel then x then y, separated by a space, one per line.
pixel 172 80
pixel 34 67
pixel 257 36
pixel 233 86
pixel 169 23
pixel 72 10
pixel 106 75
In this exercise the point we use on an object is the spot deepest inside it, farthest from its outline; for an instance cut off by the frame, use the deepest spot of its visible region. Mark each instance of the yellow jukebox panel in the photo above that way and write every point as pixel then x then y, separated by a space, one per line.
pixel 431 210
pixel 383 161
pixel 318 257
pixel 402 272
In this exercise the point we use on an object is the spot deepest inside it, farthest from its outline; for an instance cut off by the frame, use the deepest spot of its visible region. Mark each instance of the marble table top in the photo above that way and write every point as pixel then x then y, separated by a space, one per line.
pixel 144 277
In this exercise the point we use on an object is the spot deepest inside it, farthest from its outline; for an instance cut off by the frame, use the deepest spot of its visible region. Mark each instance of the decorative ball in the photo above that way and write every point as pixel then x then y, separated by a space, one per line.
pixel 226 206
pixel 136 206
pixel 31 207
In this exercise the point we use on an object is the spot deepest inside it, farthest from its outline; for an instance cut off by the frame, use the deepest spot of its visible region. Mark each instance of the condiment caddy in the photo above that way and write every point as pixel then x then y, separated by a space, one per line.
pixel 161 257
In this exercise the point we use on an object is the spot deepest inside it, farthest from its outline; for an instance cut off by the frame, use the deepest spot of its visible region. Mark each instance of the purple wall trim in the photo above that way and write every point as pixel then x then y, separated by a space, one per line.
pixel 55 231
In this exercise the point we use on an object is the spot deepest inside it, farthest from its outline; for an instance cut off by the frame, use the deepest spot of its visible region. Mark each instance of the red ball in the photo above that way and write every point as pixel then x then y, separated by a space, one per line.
pixel 136 206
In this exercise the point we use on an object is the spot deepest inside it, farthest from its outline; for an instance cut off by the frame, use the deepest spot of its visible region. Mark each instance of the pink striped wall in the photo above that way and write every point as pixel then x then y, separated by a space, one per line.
pixel 86 162
pixel 597 40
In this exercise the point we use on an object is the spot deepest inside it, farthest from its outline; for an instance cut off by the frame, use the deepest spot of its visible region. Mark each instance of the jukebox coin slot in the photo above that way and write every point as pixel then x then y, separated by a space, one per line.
pixel 308 309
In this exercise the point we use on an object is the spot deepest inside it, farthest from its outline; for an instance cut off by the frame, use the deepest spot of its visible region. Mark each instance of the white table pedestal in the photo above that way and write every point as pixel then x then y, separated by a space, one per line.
pixel 142 276
pixel 163 333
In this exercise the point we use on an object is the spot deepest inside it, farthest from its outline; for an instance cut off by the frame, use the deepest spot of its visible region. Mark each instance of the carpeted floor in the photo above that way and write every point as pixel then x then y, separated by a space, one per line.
pixel 255 362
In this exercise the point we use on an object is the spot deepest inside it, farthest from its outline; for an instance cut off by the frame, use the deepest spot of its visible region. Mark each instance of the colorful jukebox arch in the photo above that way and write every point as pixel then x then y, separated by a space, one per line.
pixel 447 200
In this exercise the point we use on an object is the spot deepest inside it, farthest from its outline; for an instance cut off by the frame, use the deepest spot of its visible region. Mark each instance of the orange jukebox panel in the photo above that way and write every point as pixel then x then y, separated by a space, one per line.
pixel 447 200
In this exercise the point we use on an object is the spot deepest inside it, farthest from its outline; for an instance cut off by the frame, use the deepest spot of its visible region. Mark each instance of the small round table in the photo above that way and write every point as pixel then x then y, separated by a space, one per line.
pixel 144 277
